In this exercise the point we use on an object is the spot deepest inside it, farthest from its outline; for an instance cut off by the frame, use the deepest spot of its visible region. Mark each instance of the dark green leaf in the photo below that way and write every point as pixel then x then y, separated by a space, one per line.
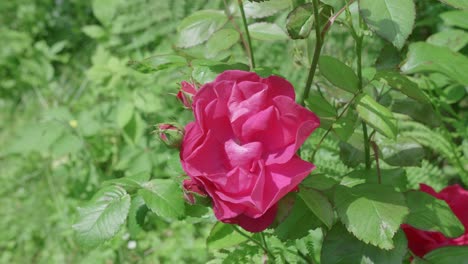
pixel 445 255
pixel 340 247
pixel 352 151
pixel 392 177
pixel 424 57
pixel 393 20
pixel 298 223
pixel 300 21
pixel 420 112
pixel 319 205
pixel 402 84
pixel 377 116
pixel 318 182
pixel 402 152
pixel 199 26
pixel 223 236
pixel 372 212
pixel 431 214
pixel 102 218
pixel 389 58
pixel 267 31
pixel 163 197
pixel 339 74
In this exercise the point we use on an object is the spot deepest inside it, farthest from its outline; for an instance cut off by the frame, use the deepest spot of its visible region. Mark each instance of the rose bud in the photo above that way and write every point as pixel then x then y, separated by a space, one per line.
pixel 187 91
pixel 170 134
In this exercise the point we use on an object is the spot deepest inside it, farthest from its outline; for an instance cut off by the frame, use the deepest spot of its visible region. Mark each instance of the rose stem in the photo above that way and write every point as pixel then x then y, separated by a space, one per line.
pixel 241 34
pixel 330 128
pixel 253 240
pixel 249 41
pixel 318 48
pixel 359 39
pixel 376 153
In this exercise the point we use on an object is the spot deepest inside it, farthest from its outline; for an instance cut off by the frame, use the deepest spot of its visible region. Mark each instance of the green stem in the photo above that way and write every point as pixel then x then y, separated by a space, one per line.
pixel 265 249
pixel 318 48
pixel 246 28
pixel 330 128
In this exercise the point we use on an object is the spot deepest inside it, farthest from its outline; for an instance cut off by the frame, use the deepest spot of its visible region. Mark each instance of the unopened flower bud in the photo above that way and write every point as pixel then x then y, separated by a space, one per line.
pixel 187 91
pixel 170 134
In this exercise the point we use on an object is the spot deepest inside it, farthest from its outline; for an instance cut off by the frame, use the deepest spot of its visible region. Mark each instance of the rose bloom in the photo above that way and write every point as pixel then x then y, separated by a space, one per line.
pixel 421 242
pixel 241 149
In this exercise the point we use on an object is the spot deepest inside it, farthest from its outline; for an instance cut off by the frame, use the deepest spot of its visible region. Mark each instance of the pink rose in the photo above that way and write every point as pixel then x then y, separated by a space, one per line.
pixel 421 242
pixel 241 148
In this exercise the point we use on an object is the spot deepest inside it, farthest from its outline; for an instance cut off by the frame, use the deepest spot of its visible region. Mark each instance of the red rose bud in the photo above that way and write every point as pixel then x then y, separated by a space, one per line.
pixel 194 195
pixel 187 91
pixel 170 134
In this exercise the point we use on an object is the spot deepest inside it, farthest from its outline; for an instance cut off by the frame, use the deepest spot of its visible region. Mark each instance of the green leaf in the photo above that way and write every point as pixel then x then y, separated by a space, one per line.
pixel 402 152
pixel 94 31
pixel 340 247
pixel 223 236
pixel 395 178
pixel 221 40
pixel 372 212
pixel 266 31
pixel 402 84
pixel 423 113
pixel 393 20
pixel 454 39
pixel 136 216
pixel 456 18
pixel 124 113
pixel 339 74
pixel 319 182
pixel 102 218
pixel 163 197
pixel 377 116
pixel 462 4
pixel 445 255
pixel 264 9
pixel 199 26
pixel 298 223
pixel 320 106
pixel 157 63
pixel 424 57
pixel 300 21
pixel 431 214
pixel 319 205
pixel 105 10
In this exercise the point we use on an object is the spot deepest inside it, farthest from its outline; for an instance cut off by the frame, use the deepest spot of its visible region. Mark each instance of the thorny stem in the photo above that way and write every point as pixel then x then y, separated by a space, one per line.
pixel 318 48
pixel 332 19
pixel 246 29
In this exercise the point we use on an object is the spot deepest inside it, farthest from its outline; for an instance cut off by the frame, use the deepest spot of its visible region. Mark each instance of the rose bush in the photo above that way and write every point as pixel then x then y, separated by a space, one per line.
pixel 241 149
pixel 421 242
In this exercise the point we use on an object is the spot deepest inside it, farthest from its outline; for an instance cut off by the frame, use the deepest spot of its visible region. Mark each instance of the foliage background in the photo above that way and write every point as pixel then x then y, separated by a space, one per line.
pixel 73 114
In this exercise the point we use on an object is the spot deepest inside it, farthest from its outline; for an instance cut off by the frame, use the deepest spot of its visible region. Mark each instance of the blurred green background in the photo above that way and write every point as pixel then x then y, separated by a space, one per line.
pixel 74 114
